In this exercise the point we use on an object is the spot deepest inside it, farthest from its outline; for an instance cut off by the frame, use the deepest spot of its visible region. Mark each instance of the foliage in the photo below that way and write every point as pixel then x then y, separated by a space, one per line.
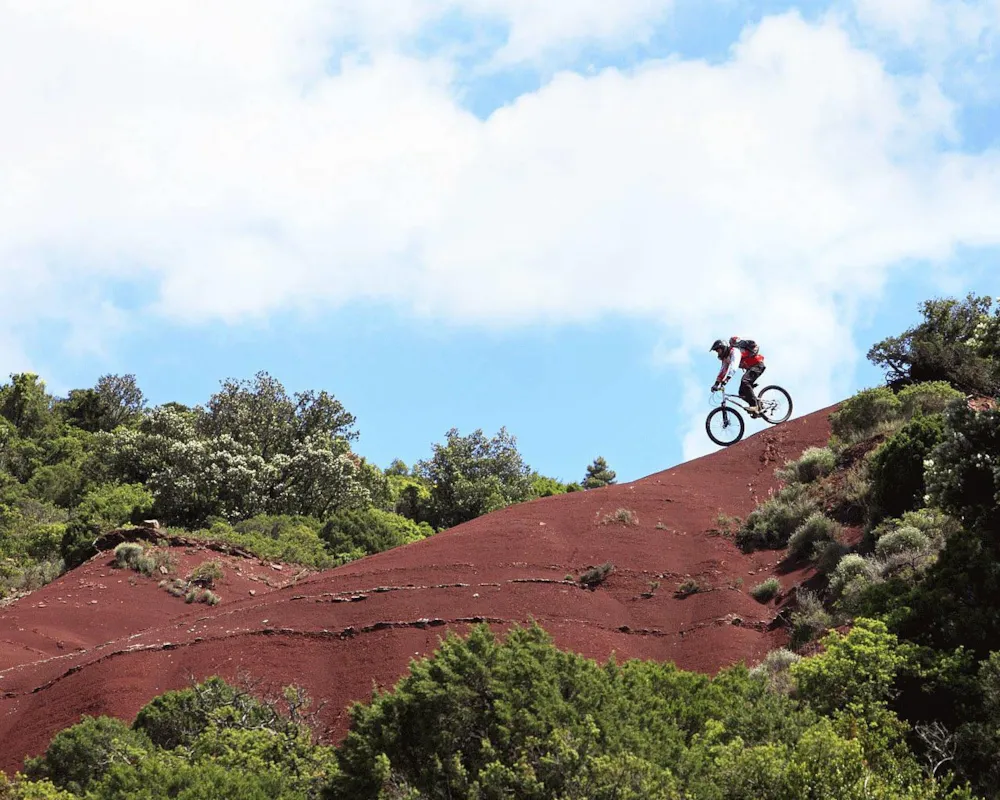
pixel 79 755
pixel 253 450
pixel 814 463
pixel 864 414
pixel 815 531
pixel 963 471
pixel 598 474
pixel 620 516
pixel 595 576
pixel 353 533
pixel 854 672
pixel 766 590
pixel 112 505
pixel 472 475
pixel 771 523
pixel 955 342
pixel 897 467
pixel 927 398
pixel 276 537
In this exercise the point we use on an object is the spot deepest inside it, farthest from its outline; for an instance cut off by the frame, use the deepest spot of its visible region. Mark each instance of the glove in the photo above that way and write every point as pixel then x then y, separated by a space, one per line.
pixel 716 386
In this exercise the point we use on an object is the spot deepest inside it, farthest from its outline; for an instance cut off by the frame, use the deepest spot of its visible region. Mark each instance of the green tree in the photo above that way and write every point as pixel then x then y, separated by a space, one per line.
pixel 473 475
pixel 598 474
pixel 897 468
pixel 955 342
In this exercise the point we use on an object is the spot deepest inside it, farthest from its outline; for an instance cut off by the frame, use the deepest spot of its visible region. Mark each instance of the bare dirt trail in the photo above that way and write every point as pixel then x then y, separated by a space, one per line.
pixel 104 641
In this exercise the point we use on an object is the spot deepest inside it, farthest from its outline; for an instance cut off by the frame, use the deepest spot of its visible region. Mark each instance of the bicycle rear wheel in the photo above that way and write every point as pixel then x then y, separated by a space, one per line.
pixel 775 404
pixel 724 426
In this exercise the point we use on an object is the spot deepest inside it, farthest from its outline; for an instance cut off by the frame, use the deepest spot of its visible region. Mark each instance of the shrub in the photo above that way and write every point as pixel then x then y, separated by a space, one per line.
pixel 857 669
pixel 897 467
pixel 810 619
pixel 817 529
pixel 814 463
pixel 206 574
pixel 370 531
pixel 127 554
pixel 79 755
pixel 904 539
pixel 827 556
pixel 766 590
pixel 201 596
pixel 963 471
pixel 773 522
pixel 113 505
pixel 776 669
pixel 931 397
pixel 851 566
pixel 620 516
pixel 688 586
pixel 595 576
pixel 862 415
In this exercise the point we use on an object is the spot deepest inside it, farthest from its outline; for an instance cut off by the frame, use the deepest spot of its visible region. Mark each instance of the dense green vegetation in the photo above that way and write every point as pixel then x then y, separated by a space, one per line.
pixel 915 465
pixel 254 467
pixel 484 718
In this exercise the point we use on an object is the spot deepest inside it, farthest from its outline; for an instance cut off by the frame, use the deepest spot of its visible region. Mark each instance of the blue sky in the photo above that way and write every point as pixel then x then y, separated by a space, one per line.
pixel 476 213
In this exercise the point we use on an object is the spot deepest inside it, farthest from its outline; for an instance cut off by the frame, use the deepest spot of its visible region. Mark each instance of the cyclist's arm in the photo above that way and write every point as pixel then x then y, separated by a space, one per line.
pixel 728 366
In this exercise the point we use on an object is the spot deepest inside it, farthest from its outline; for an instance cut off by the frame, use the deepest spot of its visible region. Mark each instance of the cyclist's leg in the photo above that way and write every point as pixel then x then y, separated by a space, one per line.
pixel 746 385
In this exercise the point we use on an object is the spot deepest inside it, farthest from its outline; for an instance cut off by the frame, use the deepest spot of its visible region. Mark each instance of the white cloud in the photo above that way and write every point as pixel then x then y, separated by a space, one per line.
pixel 201 150
pixel 939 24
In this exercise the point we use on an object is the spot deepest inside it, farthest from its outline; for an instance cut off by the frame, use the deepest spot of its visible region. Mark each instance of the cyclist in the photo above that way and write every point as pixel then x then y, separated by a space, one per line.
pixel 750 360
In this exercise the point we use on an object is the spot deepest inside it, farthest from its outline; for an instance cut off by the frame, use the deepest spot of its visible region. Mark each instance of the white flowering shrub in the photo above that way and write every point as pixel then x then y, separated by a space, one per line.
pixel 962 473
pixel 252 451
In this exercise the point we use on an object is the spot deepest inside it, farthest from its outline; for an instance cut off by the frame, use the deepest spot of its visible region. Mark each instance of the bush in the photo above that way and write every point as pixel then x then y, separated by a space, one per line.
pixel 206 574
pixel 79 755
pixel 620 516
pixel 766 590
pixel 897 467
pixel 814 463
pixel 776 669
pixel 127 554
pixel 770 525
pixel 901 540
pixel 963 471
pixel 595 576
pixel 369 531
pixel 113 505
pixel 816 530
pixel 851 567
pixel 931 397
pixel 862 415
pixel 810 619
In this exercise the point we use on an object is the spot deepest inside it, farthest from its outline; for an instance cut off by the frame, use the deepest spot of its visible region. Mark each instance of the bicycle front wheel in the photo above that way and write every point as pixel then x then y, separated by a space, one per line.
pixel 775 404
pixel 724 426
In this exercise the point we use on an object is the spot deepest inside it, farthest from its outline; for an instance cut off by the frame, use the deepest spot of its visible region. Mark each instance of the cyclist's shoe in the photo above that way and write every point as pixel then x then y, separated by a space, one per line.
pixel 753 411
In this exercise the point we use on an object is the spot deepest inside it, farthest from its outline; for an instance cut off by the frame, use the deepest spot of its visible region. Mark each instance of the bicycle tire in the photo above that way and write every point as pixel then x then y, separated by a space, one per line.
pixel 774 390
pixel 726 412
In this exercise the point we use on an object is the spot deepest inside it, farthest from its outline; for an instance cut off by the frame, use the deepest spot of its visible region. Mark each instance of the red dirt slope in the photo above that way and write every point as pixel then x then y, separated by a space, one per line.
pixel 100 641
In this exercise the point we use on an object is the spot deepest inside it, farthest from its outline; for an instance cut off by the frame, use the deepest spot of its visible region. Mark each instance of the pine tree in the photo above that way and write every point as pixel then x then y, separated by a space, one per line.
pixel 598 474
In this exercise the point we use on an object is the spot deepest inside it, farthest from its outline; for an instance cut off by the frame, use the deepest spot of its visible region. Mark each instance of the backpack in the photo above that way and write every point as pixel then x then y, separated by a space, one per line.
pixel 748 346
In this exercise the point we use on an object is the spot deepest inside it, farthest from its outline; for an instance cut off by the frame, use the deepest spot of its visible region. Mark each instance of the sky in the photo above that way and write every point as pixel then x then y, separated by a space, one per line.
pixel 486 213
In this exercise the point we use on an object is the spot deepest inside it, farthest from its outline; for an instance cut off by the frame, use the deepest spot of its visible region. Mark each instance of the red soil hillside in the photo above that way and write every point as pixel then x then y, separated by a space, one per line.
pixel 104 641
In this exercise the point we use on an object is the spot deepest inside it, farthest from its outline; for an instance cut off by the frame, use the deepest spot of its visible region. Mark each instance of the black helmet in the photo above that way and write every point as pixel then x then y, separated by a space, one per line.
pixel 717 346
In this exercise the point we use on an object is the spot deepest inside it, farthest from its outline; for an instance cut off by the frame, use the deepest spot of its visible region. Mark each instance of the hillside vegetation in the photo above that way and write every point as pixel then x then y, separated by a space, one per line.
pixel 899 515
pixel 272 473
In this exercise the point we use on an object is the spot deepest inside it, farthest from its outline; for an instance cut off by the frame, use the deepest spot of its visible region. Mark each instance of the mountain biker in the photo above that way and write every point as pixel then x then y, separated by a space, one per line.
pixel 750 360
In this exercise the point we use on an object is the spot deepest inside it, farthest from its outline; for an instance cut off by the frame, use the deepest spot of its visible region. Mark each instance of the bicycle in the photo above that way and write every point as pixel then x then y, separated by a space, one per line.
pixel 769 401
